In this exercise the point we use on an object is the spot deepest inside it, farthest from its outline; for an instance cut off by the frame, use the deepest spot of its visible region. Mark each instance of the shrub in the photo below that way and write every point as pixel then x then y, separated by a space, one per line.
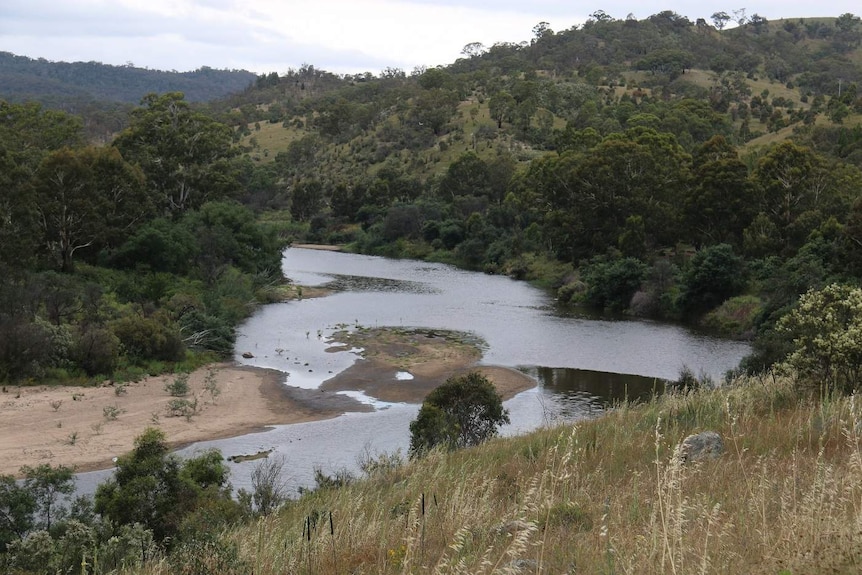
pixel 179 387
pixel 611 285
pixel 147 338
pixel 714 275
pixel 97 351
pixel 463 412
pixel 826 329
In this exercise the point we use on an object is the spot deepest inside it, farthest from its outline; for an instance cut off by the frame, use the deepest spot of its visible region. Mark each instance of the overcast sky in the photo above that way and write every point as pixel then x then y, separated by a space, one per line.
pixel 342 36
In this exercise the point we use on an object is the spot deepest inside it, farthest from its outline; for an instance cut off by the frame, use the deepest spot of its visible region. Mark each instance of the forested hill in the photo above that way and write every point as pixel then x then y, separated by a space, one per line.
pixel 23 78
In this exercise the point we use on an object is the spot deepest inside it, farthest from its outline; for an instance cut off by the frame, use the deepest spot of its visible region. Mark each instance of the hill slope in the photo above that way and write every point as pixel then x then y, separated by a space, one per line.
pixel 25 78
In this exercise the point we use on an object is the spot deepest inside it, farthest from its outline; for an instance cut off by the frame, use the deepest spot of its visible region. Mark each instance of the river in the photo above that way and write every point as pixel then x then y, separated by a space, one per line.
pixel 580 363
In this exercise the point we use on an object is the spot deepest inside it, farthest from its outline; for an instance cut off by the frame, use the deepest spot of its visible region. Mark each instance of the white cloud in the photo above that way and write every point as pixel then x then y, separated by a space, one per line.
pixel 335 35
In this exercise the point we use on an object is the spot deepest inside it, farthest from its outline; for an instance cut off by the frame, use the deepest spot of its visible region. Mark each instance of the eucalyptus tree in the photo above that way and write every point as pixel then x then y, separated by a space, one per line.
pixel 184 154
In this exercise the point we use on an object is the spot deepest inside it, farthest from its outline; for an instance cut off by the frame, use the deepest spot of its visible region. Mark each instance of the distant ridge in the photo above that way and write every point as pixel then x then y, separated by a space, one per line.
pixel 23 78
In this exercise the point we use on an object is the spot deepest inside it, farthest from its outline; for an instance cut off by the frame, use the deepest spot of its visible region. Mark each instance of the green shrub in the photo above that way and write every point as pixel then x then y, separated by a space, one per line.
pixel 97 350
pixel 611 284
pixel 462 412
pixel 149 338
pixel 735 317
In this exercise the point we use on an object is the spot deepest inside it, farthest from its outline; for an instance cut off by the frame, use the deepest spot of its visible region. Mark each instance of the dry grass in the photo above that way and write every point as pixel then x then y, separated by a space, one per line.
pixel 604 496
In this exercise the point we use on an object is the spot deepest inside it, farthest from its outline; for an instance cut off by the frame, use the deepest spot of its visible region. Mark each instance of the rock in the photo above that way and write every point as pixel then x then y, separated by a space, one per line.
pixel 523 566
pixel 511 527
pixel 247 354
pixel 706 445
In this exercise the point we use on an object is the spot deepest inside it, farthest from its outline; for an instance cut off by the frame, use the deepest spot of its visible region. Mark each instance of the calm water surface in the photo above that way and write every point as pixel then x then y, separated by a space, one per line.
pixel 580 364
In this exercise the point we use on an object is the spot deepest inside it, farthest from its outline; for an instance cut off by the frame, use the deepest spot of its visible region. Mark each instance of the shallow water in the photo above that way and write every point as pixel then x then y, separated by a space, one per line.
pixel 581 364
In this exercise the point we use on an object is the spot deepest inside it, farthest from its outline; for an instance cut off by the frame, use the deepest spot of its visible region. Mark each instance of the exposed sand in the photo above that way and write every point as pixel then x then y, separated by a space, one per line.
pixel 69 426
pixel 73 425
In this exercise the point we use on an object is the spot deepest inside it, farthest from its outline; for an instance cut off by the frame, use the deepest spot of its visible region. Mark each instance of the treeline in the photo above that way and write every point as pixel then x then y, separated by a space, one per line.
pixel 127 259
pixel 24 78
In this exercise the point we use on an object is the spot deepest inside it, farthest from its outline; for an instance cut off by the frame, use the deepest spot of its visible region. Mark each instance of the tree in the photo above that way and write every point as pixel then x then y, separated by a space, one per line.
pixel 720 19
pixel 463 412
pixel 269 489
pixel 27 135
pixel 720 203
pixel 184 154
pixel 17 506
pixel 46 484
pixel 714 274
pixel 501 107
pixel 473 49
pixel 611 285
pixel 826 329
pixel 466 176
pixel 158 490
pixel 87 197
pixel 794 180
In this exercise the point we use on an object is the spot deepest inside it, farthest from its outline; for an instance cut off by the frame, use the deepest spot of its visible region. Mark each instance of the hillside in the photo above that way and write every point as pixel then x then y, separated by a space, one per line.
pixel 612 495
pixel 758 79
pixel 25 78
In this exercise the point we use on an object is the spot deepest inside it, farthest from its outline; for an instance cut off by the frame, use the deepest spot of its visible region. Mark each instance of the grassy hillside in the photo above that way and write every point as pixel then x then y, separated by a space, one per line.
pixel 763 77
pixel 611 495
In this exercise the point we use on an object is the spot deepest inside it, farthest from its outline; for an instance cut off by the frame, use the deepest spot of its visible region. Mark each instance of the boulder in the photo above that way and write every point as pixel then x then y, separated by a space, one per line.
pixel 700 446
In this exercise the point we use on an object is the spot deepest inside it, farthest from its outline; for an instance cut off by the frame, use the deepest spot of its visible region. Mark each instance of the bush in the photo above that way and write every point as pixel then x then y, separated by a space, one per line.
pixel 463 412
pixel 611 285
pixel 97 351
pixel 714 275
pixel 826 330
pixel 147 338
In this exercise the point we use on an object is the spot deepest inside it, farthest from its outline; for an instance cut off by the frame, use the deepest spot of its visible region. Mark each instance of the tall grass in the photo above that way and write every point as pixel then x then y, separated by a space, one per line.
pixel 610 495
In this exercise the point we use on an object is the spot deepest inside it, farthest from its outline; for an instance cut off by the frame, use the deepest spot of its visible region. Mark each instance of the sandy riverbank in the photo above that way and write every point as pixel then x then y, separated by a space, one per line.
pixel 75 426
pixel 85 427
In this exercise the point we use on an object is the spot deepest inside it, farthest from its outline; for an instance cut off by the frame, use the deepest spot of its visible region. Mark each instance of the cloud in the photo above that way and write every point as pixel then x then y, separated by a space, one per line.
pixel 343 36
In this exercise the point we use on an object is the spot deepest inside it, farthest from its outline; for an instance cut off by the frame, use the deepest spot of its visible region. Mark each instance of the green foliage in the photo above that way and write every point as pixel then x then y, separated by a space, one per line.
pixel 268 485
pixel 97 350
pixel 18 506
pixel 713 275
pixel 735 317
pixel 207 554
pixel 179 387
pixel 610 285
pixel 47 484
pixel 100 547
pixel 463 412
pixel 146 338
pixel 156 489
pixel 826 330
pixel 183 153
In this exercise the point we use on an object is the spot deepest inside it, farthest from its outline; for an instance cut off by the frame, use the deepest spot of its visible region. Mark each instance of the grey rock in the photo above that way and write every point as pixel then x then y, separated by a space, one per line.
pixel 522 566
pixel 706 445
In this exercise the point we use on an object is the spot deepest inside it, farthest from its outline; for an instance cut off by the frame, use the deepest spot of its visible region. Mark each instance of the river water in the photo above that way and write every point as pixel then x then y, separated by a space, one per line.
pixel 580 363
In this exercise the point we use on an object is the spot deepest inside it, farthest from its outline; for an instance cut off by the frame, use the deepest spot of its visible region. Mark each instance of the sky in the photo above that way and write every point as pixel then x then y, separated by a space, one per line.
pixel 339 36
